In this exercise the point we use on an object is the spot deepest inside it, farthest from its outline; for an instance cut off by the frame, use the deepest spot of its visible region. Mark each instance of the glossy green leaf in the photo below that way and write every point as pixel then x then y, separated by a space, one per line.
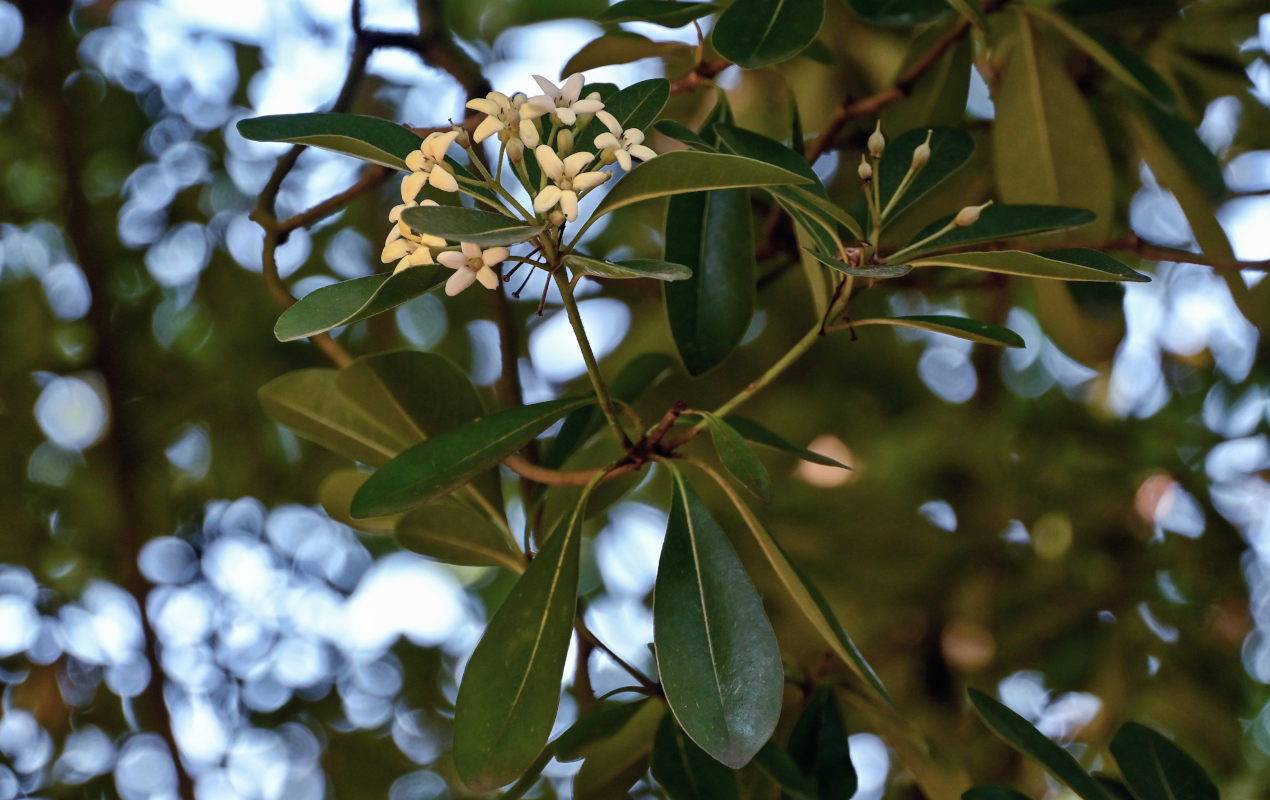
pixel 1114 787
pixel 582 424
pixel 818 745
pixel 456 534
pixel 780 767
pixel 511 686
pixel 623 48
pixel 738 458
pixel 1004 222
pixel 756 33
pixel 1123 65
pixel 616 762
pixel 1157 769
pixel 717 656
pixel 1047 146
pixel 636 106
pixel 873 271
pixel 353 301
pixel 667 13
pixel 1185 144
pixel 307 402
pixel 961 327
pixel 1021 735
pixel 681 132
pixel 335 495
pixel 459 224
pixel 368 138
pixel 971 12
pixel 758 434
pixel 601 724
pixel 950 150
pixel 899 12
pixel 992 793
pixel 939 95
pixel 685 771
pixel 1065 265
pixel 631 268
pixel 447 461
pixel 753 145
pixel 712 234
pixel 823 211
pixel 685 171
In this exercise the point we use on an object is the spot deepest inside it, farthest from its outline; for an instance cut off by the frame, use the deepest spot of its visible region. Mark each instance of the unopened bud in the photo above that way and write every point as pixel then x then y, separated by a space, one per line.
pixel 921 153
pixel 463 139
pixel 556 217
pixel 969 215
pixel 865 170
pixel 564 143
pixel 877 142
pixel 515 151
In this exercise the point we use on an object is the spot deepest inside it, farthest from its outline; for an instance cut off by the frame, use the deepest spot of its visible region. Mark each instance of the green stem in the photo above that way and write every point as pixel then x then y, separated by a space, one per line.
pixel 592 367
pixel 497 187
pixel 899 254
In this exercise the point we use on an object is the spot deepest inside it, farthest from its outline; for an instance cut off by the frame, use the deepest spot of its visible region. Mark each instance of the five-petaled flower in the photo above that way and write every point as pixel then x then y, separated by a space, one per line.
pixel 618 145
pixel 405 246
pixel 503 116
pixel 427 165
pixel 471 264
pixel 561 102
pixel 568 178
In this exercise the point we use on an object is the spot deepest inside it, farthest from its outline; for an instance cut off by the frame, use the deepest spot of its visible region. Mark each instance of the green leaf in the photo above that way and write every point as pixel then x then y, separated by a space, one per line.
pixel 616 762
pixel 456 534
pixel 1113 786
pixel 753 145
pixel 899 12
pixel 738 458
pixel 717 656
pixel 335 494
pixel 1157 769
pixel 353 301
pixel 1123 65
pixel 969 9
pixel 780 767
pixel 1047 146
pixel 307 402
pixel 939 95
pixel 712 234
pixel 685 771
pixel 1004 222
pixel 1064 265
pixel 636 106
pixel 1019 734
pixel 667 13
pixel 685 171
pixel 992 793
pixel 459 224
pixel 623 48
pixel 818 745
pixel 950 149
pixel 756 33
pixel 511 686
pixel 873 271
pixel 681 132
pixel 632 379
pixel 445 462
pixel 607 721
pixel 631 268
pixel 368 138
pixel 961 327
pixel 756 433
pixel 1185 144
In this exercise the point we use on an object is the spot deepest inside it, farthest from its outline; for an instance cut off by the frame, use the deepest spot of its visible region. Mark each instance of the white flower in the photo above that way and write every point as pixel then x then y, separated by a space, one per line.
pixel 404 245
pixel 427 165
pixel 620 145
pixel 561 101
pixel 503 116
pixel 568 182
pixel 471 265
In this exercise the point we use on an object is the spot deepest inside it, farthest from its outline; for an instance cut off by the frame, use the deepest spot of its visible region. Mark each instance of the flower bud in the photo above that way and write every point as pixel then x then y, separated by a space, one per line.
pixel 556 217
pixel 564 142
pixel 968 216
pixel 463 139
pixel 921 154
pixel 865 170
pixel 515 151
pixel 877 142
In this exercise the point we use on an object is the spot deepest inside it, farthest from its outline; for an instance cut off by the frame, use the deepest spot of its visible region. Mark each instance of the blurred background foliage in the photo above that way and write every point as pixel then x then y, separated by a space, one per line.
pixel 1082 525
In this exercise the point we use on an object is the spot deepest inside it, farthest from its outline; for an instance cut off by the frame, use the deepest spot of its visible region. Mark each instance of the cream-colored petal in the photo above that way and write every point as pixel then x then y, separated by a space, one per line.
pixel 566 115
pixel 590 180
pixel 551 164
pixel 577 162
pixel 569 205
pixel 453 260
pixel 459 281
pixel 548 88
pixel 623 158
pixel 529 133
pixel 470 249
pixel 535 107
pixel 587 106
pixel 487 277
pixel 484 105
pixel 572 88
pixel 488 127
pixel 442 179
pixel 437 143
pixel 633 136
pixel 610 122
pixel 416 160
pixel 519 99
pixel 402 264
pixel 428 240
pixel 420 256
pixel 607 141
pixel 494 255
pixel 411 184
pixel 394 234
pixel 643 152
pixel 396 250
pixel 546 199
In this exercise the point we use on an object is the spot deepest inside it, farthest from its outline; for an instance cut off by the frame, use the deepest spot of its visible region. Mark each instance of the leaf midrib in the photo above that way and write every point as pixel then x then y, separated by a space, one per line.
pixel 701 595
pixel 1046 154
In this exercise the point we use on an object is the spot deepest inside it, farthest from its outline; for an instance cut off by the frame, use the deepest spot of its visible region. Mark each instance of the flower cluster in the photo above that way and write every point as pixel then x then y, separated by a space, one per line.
pixel 546 128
